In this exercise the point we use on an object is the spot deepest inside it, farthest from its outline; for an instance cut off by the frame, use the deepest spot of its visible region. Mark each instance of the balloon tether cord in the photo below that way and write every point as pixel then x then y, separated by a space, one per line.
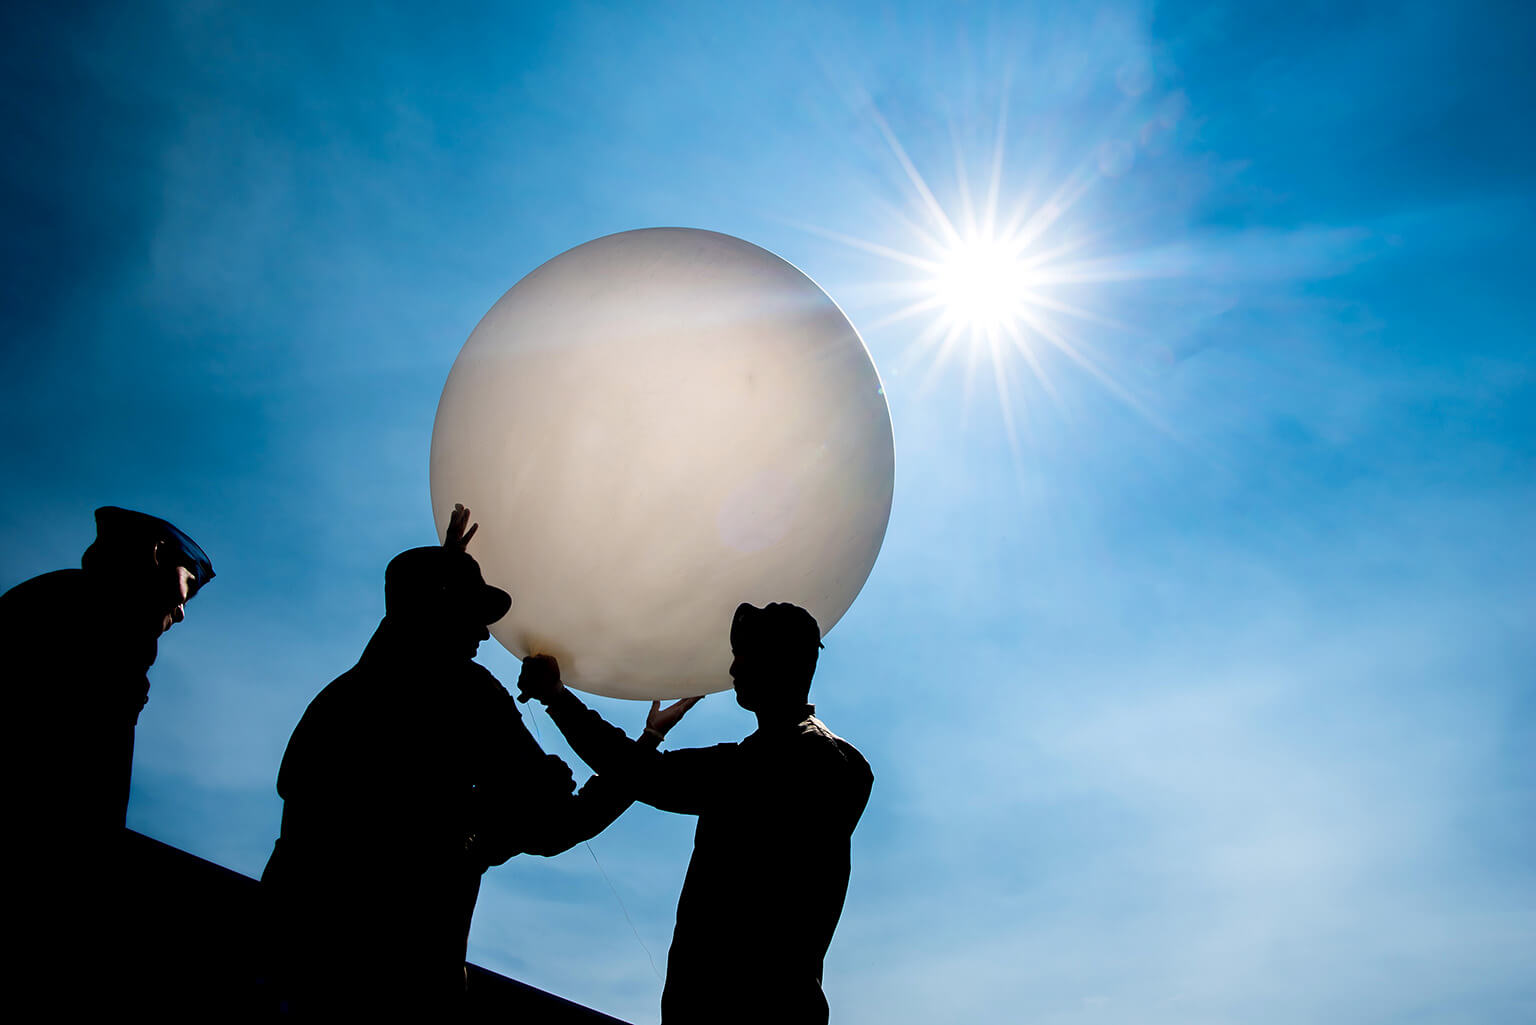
pixel 604 872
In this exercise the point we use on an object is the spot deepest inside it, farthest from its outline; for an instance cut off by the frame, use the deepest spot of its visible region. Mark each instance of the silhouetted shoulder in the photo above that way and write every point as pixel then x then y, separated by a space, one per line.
pixel 351 686
pixel 44 595
pixel 482 683
pixel 815 730
pixel 835 762
pixel 41 621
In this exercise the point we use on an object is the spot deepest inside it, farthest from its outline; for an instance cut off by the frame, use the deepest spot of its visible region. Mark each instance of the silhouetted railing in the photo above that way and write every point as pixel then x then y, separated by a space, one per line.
pixel 197 925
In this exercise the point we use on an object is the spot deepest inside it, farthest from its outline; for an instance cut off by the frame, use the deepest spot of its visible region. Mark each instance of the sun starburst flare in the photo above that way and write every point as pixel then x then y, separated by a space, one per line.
pixel 991 280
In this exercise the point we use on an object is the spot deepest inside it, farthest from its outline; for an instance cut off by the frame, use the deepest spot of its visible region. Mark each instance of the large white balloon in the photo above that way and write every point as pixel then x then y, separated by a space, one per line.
pixel 650 429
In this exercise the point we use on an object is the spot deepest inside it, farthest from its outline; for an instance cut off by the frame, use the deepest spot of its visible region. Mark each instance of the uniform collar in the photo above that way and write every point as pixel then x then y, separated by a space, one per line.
pixel 788 721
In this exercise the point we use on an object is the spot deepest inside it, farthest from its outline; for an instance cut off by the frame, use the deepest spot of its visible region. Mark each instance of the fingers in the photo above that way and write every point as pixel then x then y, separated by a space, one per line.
pixel 456 536
pixel 675 711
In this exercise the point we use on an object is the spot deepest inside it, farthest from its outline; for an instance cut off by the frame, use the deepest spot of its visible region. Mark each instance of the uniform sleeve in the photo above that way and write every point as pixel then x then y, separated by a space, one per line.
pixel 580 817
pixel 686 781
pixel 525 801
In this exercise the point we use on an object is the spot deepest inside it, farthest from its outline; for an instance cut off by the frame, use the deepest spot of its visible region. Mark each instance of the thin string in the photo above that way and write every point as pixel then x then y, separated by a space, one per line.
pixel 622 908
pixel 533 718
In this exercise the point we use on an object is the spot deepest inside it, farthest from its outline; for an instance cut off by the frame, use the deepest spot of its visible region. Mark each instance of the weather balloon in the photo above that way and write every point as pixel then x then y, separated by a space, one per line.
pixel 652 428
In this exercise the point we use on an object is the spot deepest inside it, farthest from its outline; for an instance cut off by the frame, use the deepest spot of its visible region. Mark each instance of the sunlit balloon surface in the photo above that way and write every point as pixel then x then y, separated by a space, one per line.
pixel 650 429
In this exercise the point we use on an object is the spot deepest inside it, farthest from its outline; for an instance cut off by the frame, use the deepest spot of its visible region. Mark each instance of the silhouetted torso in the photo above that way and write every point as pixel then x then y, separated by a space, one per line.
pixel 75 658
pixel 770 864
pixel 75 666
pixel 405 779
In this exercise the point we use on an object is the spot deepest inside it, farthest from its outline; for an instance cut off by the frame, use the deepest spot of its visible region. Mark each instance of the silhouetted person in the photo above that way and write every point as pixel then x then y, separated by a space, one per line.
pixel 770 863
pixel 76 646
pixel 406 778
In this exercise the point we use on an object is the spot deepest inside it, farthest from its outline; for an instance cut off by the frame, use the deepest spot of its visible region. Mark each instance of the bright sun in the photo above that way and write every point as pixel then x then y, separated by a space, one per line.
pixel 979 284
pixel 995 281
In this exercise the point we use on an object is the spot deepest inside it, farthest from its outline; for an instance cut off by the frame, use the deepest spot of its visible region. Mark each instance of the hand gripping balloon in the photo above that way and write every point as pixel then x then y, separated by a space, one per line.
pixel 652 428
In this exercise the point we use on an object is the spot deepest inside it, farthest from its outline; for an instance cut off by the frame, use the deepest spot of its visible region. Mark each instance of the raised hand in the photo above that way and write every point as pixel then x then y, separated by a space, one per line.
pixel 457 537
pixel 660 720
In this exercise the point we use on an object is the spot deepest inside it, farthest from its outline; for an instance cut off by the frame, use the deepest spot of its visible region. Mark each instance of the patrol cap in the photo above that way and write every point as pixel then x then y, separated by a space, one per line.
pixel 118 530
pixel 428 580
pixel 779 625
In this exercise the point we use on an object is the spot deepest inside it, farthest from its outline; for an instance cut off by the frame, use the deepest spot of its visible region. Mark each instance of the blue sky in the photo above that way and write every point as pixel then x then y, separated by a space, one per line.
pixel 1203 695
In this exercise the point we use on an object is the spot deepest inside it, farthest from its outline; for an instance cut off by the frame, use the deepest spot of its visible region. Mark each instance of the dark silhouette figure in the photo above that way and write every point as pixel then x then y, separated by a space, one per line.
pixel 407 777
pixel 77 645
pixel 770 863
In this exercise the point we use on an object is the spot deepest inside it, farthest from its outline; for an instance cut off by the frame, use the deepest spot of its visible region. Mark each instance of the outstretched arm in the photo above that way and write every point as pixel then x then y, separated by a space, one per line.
pixel 525 803
pixel 549 818
pixel 579 817
pixel 682 781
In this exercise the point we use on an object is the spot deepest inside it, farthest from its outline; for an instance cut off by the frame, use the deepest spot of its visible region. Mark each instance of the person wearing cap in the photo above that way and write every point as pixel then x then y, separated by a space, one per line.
pixel 405 779
pixel 770 865
pixel 79 644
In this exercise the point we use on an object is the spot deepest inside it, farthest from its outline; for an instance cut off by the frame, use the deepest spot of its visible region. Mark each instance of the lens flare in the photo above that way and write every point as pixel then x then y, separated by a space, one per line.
pixel 1002 280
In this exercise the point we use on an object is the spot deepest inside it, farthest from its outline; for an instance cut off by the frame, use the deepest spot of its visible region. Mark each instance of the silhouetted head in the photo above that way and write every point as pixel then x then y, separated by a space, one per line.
pixel 437 597
pixel 143 559
pixel 774 651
